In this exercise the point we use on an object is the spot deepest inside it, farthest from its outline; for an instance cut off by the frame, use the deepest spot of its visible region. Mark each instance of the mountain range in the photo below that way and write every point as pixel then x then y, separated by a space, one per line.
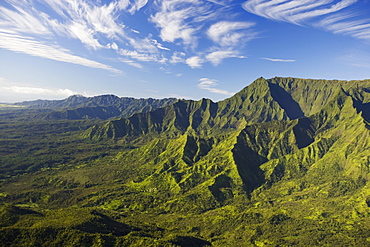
pixel 283 162
pixel 80 107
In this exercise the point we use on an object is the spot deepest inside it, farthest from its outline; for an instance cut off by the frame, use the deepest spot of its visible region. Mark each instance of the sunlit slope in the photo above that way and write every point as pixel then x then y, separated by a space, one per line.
pixel 214 152
pixel 283 162
pixel 262 101
pixel 80 107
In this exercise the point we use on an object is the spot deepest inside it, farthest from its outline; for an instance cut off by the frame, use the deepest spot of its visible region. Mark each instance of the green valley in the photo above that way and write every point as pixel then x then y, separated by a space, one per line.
pixel 283 162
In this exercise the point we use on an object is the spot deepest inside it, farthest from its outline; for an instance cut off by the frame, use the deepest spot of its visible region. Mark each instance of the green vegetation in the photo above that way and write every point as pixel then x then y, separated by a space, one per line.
pixel 80 107
pixel 283 162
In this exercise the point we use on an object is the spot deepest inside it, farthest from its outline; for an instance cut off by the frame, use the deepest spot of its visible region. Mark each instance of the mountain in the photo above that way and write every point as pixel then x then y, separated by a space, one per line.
pixel 283 162
pixel 277 99
pixel 80 107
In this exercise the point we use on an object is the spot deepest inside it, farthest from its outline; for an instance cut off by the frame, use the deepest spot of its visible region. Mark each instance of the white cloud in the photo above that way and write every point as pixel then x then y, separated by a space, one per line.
pixel 210 85
pixel 147 44
pixel 40 91
pixel 144 57
pixel 159 45
pixel 225 32
pixel 277 59
pixel 137 5
pixel 180 19
pixel 123 4
pixel 113 46
pixel 93 21
pixel 143 45
pixel 216 57
pixel 324 14
pixel 131 62
pixel 194 62
pixel 299 17
pixel 84 34
pixel 32 47
pixel 223 3
pixel 77 19
pixel 294 11
pixel 34 27
pixel 87 21
pixel 337 24
pixel 22 21
pixel 177 57
pixel 11 91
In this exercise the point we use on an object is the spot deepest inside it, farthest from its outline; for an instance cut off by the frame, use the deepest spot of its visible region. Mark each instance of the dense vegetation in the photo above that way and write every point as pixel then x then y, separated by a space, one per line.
pixel 283 162
pixel 80 107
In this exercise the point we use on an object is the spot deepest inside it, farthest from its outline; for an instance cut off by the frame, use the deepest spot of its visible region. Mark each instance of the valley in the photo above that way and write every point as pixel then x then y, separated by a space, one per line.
pixel 283 162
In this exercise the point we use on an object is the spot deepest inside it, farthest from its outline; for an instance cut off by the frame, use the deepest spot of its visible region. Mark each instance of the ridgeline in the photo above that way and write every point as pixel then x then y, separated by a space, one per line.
pixel 283 162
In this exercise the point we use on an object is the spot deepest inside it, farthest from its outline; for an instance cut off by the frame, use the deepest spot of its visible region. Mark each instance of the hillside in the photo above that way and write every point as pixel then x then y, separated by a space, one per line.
pixel 79 107
pixel 283 162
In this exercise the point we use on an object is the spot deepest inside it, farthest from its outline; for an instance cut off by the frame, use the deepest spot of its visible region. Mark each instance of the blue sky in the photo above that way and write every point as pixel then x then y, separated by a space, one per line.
pixel 51 49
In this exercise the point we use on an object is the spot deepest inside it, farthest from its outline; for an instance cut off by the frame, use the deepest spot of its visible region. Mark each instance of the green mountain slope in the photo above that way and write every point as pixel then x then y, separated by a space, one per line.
pixel 283 162
pixel 80 107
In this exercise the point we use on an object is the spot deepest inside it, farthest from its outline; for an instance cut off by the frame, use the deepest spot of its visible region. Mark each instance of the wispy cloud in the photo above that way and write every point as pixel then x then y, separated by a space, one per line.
pixel 278 59
pixel 210 85
pixel 217 56
pixel 40 91
pixel 338 24
pixel 183 20
pixel 11 90
pixel 85 35
pixel 227 33
pixel 178 57
pixel 294 11
pixel 327 14
pixel 136 5
pixel 33 47
pixel 20 20
pixel 194 62
pixel 159 45
pixel 41 27
pixel 131 62
pixel 25 29
pixel 357 58
pixel 144 57
pixel 177 19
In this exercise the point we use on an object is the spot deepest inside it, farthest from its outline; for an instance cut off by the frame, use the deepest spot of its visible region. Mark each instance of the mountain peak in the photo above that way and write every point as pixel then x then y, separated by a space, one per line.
pixel 76 96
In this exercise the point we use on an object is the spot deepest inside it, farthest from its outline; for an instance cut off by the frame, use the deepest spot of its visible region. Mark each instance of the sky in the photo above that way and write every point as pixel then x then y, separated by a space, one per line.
pixel 191 49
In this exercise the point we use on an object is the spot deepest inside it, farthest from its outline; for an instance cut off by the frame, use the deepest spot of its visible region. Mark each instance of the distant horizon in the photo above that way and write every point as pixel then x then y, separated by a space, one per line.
pixel 107 94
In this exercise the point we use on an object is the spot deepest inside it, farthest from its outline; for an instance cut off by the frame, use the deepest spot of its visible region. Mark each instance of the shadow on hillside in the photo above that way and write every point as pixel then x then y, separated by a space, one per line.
pixel 285 100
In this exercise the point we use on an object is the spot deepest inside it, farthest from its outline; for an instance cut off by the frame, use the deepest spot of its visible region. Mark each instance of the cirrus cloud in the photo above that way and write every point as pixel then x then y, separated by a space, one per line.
pixel 278 59
pixel 40 91
pixel 334 16
pixel 210 85
pixel 216 57
pixel 194 62
pixel 42 28
pixel 33 47
pixel 225 33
